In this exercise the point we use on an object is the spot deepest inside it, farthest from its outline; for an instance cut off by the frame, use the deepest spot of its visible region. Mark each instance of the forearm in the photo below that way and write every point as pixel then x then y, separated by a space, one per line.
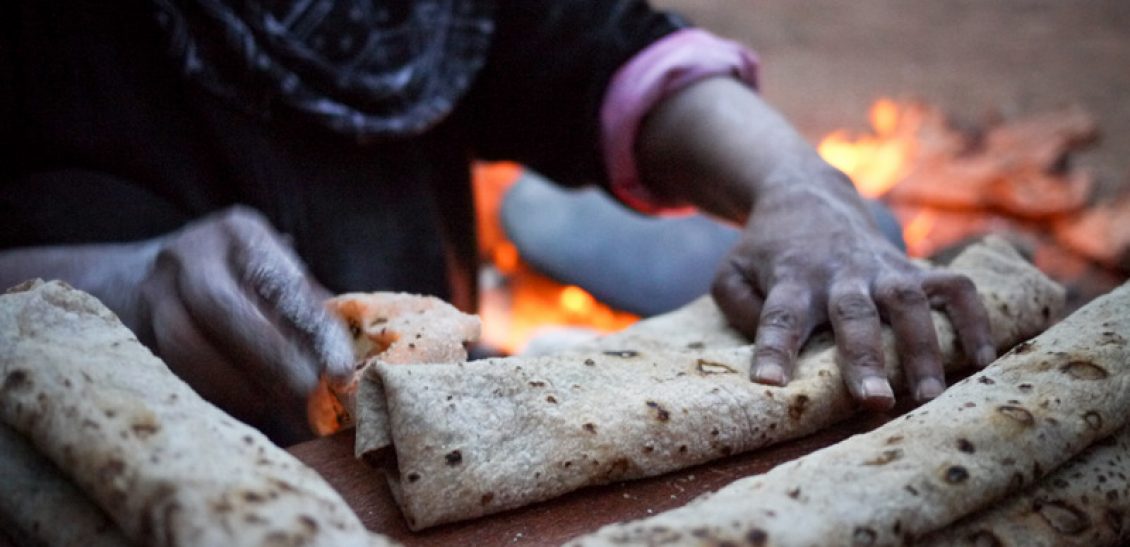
pixel 109 271
pixel 717 145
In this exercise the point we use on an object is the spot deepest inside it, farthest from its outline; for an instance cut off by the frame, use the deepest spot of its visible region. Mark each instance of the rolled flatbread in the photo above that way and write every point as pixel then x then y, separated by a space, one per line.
pixel 989 435
pixel 1084 503
pixel 35 497
pixel 166 466
pixel 479 437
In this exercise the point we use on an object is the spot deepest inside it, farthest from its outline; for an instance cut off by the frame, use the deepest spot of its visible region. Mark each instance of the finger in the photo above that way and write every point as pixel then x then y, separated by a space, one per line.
pixel 191 355
pixel 908 312
pixel 784 325
pixel 229 318
pixel 285 293
pixel 736 297
pixel 855 321
pixel 196 361
pixel 967 313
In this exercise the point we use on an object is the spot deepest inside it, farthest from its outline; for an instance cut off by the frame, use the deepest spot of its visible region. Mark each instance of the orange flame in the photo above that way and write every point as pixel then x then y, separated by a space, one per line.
pixel 877 161
pixel 874 162
pixel 516 301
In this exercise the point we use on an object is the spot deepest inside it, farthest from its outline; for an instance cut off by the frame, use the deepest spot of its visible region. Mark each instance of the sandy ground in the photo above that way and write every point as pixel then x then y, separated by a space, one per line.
pixel 825 61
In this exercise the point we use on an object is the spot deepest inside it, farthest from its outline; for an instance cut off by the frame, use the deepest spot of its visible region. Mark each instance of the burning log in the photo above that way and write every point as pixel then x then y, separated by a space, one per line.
pixel 1015 170
pixel 1101 233
pixel 1014 179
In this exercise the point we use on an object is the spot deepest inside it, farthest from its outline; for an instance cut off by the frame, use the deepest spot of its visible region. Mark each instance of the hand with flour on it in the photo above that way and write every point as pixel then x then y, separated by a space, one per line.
pixel 224 302
pixel 810 253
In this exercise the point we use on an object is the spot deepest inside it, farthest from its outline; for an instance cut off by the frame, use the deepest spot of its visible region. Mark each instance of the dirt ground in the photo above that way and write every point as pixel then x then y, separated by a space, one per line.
pixel 825 61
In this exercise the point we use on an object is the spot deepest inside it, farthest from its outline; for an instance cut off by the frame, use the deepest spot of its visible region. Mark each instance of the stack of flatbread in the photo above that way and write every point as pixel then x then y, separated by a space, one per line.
pixel 135 456
pixel 479 437
pixel 997 434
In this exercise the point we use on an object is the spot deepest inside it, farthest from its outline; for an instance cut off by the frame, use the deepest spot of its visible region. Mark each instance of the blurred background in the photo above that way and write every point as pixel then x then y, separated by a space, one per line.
pixel 959 117
pixel 824 62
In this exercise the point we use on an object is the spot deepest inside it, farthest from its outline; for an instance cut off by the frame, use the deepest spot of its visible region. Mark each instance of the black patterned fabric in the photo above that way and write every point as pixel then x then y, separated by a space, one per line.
pixel 106 137
pixel 389 68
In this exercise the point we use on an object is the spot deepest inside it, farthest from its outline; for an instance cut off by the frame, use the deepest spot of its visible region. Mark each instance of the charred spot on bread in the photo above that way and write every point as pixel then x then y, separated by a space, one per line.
pixel 625 353
pixel 1094 420
pixel 661 413
pixel 956 474
pixel 1084 370
pixel 1063 517
pixel 1017 413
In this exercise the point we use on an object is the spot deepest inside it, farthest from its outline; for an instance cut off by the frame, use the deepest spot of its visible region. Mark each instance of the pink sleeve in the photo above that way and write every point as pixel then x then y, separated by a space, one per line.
pixel 663 68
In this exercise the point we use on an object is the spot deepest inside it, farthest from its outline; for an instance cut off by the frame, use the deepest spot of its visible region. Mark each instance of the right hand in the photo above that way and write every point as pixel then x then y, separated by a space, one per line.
pixel 234 313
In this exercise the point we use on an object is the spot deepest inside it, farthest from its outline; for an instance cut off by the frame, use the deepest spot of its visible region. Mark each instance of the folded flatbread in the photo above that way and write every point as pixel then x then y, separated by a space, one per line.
pixel 36 496
pixel 990 435
pixel 1084 503
pixel 479 437
pixel 167 467
pixel 397 328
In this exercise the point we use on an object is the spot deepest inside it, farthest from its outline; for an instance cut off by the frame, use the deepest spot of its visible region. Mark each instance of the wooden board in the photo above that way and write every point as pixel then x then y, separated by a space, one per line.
pixel 554 521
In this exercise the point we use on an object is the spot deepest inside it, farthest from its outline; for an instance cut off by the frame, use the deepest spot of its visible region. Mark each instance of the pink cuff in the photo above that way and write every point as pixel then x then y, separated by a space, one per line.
pixel 663 68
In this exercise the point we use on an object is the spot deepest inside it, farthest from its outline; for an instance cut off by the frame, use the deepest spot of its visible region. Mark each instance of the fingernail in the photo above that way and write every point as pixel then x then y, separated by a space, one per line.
pixel 770 374
pixel 876 387
pixel 929 388
pixel 986 355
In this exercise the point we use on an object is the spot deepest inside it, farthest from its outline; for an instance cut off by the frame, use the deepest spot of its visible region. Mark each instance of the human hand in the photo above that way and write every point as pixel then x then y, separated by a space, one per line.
pixel 811 255
pixel 232 311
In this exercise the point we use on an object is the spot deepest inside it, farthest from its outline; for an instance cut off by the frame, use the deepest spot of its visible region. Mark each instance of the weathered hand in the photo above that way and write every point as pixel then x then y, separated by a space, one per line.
pixel 810 257
pixel 232 311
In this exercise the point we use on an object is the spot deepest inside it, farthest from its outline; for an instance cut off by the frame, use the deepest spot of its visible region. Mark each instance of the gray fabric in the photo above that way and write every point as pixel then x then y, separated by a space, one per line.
pixel 636 263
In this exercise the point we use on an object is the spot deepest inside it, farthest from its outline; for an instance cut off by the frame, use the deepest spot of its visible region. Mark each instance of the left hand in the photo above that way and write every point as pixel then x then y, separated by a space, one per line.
pixel 811 255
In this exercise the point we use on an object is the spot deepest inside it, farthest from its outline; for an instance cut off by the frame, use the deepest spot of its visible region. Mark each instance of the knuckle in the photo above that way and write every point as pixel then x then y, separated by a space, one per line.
pixel 956 285
pixel 773 353
pixel 868 361
pixel 853 306
pixel 725 284
pixel 902 295
pixel 780 318
pixel 963 285
pixel 244 219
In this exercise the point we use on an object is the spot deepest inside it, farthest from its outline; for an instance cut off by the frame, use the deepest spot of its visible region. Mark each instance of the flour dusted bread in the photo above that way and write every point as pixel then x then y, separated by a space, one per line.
pixel 166 466
pixel 479 437
pixel 1084 503
pixel 36 496
pixel 990 435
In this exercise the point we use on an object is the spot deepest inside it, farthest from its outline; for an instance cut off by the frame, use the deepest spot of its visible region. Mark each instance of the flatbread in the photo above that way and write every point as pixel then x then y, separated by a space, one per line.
pixel 1084 503
pixel 35 497
pixel 476 438
pixel 991 434
pixel 397 328
pixel 165 465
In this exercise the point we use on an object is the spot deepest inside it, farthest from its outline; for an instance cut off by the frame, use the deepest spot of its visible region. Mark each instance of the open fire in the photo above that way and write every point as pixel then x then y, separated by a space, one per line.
pixel 944 185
